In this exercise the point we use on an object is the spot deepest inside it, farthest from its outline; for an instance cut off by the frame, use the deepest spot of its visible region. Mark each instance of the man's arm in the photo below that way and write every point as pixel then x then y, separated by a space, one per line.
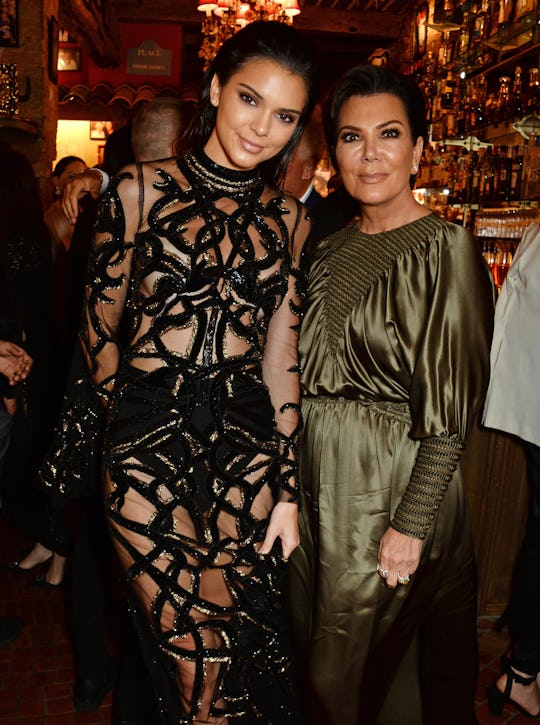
pixel 92 181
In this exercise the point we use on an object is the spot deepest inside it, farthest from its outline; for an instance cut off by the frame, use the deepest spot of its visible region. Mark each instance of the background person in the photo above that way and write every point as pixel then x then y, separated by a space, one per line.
pixel 59 228
pixel 394 352
pixel 15 365
pixel 26 291
pixel 513 406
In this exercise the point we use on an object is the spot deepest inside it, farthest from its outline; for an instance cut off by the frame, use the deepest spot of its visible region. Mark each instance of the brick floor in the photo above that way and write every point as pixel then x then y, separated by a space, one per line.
pixel 36 671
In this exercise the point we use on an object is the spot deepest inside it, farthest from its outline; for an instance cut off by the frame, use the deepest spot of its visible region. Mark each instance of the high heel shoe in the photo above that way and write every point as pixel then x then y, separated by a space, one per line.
pixel 16 567
pixel 497 699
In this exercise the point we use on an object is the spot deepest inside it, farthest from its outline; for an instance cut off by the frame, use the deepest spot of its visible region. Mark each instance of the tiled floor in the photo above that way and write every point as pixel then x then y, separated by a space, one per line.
pixel 36 671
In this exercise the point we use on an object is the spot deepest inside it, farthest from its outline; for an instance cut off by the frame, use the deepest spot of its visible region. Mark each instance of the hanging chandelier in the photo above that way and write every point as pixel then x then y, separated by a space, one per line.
pixel 224 17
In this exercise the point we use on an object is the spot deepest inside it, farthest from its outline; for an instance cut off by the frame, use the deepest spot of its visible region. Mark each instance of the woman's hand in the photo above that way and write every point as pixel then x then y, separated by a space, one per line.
pixel 399 555
pixel 283 523
pixel 15 363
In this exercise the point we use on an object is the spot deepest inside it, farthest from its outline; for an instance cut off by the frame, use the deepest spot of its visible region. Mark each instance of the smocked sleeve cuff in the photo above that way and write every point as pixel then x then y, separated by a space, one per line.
pixel 436 462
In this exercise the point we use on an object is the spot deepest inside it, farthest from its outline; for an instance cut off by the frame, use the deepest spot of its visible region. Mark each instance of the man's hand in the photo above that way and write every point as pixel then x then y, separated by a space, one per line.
pixel 15 363
pixel 88 182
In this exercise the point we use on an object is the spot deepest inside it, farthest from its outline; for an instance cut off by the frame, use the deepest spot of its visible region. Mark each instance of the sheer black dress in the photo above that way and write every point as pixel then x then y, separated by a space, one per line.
pixel 203 423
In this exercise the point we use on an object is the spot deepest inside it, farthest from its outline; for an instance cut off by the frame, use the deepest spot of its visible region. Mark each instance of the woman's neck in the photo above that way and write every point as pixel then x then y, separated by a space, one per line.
pixel 378 218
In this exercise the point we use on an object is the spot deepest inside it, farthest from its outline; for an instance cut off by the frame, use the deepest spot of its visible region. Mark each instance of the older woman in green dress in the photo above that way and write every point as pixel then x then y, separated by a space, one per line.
pixel 395 356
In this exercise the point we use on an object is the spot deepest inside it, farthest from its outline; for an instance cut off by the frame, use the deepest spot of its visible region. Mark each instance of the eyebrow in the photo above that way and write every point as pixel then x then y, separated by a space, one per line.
pixel 380 125
pixel 260 98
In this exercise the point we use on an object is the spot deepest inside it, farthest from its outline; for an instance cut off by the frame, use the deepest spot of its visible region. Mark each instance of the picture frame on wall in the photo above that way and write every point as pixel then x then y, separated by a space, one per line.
pixel 100 130
pixel 421 17
pixel 9 23
pixel 69 58
pixel 54 32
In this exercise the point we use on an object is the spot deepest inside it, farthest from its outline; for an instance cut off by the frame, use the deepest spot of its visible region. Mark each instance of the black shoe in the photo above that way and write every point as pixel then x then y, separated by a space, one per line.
pixel 10 629
pixel 16 567
pixel 497 699
pixel 89 692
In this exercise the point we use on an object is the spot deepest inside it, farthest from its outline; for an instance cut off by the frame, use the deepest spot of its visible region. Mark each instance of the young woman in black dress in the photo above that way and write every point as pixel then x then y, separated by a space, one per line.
pixel 202 258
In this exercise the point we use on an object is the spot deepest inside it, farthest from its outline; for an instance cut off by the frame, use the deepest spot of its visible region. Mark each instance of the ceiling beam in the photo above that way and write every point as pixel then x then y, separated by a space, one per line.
pixel 93 24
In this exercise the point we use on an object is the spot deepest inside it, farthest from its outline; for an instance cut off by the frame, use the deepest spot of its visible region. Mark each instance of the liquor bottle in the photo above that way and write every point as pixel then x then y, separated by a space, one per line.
pixel 473 192
pixel 517 172
pixel 494 21
pixel 533 92
pixel 480 113
pixel 503 100
pixel 492 168
pixel 490 112
pixel 460 108
pixel 486 176
pixel 488 18
pixel 506 12
pixel 480 15
pixel 522 8
pixel 505 174
pixel 447 93
pixel 464 35
pixel 531 165
pixel 496 162
pixel 471 106
pixel 516 98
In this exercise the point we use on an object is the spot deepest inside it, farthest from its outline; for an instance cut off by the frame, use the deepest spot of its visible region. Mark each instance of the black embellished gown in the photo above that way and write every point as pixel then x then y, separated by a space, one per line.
pixel 203 267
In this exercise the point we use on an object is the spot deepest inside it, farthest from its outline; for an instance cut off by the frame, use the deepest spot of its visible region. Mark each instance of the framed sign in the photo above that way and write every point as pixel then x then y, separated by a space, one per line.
pixel 9 23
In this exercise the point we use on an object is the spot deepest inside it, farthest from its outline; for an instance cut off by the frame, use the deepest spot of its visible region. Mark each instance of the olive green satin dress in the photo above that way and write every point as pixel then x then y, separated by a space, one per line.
pixel 395 349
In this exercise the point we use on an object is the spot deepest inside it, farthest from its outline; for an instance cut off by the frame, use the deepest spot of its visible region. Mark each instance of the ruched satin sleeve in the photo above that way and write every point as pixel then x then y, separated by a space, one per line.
pixel 450 356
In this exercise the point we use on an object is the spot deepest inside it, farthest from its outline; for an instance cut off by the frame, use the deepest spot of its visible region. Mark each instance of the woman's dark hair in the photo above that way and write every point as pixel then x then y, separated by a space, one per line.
pixel 21 209
pixel 62 165
pixel 370 80
pixel 267 40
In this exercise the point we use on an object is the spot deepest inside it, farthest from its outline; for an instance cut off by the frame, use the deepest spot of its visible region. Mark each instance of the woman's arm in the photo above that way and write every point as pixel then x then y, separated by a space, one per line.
pixel 281 374
pixel 108 281
pixel 450 368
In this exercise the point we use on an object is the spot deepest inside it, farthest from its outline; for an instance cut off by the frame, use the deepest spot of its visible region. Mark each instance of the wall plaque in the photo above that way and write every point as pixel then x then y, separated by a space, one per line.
pixel 148 59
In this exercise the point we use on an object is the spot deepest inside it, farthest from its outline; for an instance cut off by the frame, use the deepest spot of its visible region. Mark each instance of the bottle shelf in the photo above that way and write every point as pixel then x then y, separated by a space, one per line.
pixel 516 34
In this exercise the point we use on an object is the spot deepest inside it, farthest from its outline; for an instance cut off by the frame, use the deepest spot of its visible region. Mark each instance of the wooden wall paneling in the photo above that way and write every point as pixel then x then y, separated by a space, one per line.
pixel 495 475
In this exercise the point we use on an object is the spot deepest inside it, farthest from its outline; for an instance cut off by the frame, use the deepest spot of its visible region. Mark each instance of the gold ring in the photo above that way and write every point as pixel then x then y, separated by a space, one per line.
pixel 403 579
pixel 385 573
